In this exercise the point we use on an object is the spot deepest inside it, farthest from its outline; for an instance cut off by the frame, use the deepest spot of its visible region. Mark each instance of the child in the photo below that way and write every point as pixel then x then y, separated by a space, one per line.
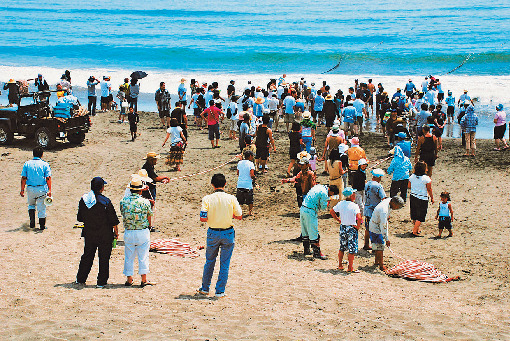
pixel 133 119
pixel 121 95
pixel 313 159
pixel 444 215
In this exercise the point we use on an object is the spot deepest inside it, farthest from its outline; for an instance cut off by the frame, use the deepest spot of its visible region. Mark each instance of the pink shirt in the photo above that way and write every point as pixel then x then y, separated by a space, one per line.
pixel 213 115
pixel 500 116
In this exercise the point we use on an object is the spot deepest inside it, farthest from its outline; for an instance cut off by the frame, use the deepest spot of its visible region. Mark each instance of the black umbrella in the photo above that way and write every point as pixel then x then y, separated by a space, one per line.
pixel 138 75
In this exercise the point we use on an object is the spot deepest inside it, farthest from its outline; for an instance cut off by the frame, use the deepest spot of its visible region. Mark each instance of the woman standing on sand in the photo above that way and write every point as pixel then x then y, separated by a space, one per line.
pixel 177 142
pixel 421 189
pixel 427 148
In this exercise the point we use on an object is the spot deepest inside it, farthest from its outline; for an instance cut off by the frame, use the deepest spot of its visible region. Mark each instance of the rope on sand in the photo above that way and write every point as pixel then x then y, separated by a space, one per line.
pixel 205 171
pixel 418 271
pixel 381 161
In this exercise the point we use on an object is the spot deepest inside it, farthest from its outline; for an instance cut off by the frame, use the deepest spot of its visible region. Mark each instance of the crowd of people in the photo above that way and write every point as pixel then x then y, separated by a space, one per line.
pixel 406 118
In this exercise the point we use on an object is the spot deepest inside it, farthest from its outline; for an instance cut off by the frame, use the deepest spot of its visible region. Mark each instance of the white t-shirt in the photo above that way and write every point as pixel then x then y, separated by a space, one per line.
pixel 175 134
pixel 244 167
pixel 272 104
pixel 419 186
pixel 347 211
pixel 105 89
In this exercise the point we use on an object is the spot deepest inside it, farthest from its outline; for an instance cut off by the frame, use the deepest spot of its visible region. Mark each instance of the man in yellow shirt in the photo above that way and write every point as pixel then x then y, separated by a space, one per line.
pixel 218 210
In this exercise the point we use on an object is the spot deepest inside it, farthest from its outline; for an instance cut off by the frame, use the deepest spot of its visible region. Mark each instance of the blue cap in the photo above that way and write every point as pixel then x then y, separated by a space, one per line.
pixel 401 135
pixel 499 107
pixel 97 183
pixel 348 191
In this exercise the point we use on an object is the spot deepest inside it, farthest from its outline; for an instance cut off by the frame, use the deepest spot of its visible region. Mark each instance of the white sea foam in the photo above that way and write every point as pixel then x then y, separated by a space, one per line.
pixel 489 90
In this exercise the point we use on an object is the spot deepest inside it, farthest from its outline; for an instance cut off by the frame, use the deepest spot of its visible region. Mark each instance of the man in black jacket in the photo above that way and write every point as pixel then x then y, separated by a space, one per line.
pixel 100 227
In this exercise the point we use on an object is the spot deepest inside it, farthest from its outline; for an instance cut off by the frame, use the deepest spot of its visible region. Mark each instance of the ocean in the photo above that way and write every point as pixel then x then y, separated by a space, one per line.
pixel 463 43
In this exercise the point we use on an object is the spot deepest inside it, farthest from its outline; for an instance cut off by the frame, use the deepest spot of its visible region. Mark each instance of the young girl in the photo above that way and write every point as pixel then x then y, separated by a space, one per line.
pixel 445 215
pixel 313 159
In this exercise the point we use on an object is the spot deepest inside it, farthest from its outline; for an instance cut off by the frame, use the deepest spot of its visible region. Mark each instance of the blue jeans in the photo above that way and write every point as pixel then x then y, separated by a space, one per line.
pixel 307 140
pixel 215 241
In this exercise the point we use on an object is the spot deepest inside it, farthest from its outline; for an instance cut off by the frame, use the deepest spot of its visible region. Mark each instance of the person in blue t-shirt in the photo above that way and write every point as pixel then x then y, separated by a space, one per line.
pixel 91 92
pixel 450 111
pixel 181 91
pixel 410 88
pixel 318 106
pixel 349 115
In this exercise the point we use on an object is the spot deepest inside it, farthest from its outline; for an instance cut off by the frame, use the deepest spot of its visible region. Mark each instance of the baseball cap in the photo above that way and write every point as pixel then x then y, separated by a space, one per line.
pixel 348 191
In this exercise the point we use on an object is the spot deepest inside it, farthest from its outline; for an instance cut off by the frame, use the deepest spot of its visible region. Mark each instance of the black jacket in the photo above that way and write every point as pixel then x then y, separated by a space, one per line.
pixel 98 220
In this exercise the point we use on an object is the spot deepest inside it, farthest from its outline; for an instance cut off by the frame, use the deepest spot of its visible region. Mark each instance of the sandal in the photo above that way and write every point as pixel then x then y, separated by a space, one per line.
pixel 144 284
pixel 128 284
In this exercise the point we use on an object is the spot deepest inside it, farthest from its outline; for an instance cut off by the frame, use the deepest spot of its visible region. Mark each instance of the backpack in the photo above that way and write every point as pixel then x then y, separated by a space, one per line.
pixel 229 113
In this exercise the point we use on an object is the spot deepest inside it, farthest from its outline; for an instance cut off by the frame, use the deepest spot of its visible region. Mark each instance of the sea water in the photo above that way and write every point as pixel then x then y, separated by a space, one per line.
pixel 388 41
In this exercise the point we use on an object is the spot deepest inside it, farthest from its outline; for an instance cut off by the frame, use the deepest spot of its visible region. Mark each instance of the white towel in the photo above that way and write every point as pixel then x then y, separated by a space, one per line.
pixel 89 199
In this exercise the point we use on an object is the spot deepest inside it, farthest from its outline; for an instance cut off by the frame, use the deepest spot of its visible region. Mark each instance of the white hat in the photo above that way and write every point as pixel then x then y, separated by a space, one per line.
pixel 136 183
pixel 307 115
pixel 362 162
pixel 342 148
pixel 378 172
pixel 143 175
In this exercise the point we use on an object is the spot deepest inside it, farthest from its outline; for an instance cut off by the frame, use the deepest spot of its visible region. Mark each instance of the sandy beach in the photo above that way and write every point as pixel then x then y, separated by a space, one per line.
pixel 273 292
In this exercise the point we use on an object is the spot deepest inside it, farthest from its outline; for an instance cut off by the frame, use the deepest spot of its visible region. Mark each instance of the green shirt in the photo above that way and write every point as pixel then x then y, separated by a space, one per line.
pixel 135 211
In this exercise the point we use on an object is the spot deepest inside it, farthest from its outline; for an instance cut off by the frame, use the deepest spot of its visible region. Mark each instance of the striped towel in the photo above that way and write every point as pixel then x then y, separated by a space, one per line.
pixel 419 271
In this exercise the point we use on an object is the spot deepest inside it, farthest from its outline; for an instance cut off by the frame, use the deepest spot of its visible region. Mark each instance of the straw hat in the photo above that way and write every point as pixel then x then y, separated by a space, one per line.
pixel 307 115
pixel 136 183
pixel 143 175
pixel 329 97
pixel 11 81
pixel 259 100
pixel 152 155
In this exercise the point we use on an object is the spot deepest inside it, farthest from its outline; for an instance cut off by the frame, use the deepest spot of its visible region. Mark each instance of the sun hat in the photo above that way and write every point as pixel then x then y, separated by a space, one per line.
pixel 465 91
pixel 354 140
pixel 335 128
pixel 143 175
pixel 183 80
pixel 348 191
pixel 259 100
pixel 307 115
pixel 152 155
pixel 362 162
pixel 499 107
pixel 304 161
pixel 342 148
pixel 398 89
pixel 329 97
pixel 378 172
pixel 11 81
pixel 136 183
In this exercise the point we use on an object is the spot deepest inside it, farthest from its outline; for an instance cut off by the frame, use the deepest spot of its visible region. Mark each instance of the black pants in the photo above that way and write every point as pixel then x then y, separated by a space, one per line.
pixel 399 186
pixel 92 105
pixel 133 103
pixel 87 259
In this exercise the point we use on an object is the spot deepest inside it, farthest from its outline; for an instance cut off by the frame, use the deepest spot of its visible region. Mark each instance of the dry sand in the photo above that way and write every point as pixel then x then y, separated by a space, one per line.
pixel 274 293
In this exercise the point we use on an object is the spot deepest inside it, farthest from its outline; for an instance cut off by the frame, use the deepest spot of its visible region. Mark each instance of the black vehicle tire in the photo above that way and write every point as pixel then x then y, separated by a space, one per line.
pixel 44 138
pixel 6 135
pixel 76 138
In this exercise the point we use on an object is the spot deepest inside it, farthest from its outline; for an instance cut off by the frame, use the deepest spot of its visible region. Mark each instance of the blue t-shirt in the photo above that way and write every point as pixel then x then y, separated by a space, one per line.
pixel 359 105
pixel 195 98
pixel 244 129
pixel 301 106
pixel 105 89
pixel 36 171
pixel 289 103
pixel 450 101
pixel 349 114
pixel 208 97
pixel 244 180
pixel 258 110
pixel 374 193
pixel 319 103
pixel 410 86
pixel 421 118
pixel 181 90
